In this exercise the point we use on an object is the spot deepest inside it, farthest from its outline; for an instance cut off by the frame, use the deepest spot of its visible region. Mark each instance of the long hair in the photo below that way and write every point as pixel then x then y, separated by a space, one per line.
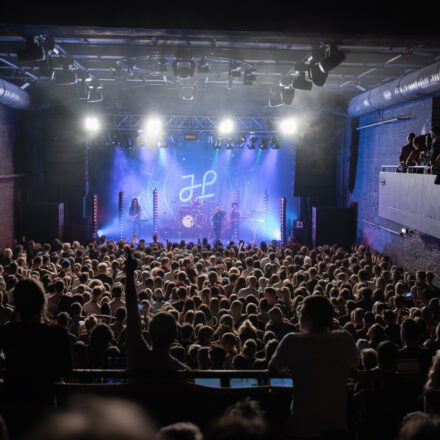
pixel 433 382
pixel 136 208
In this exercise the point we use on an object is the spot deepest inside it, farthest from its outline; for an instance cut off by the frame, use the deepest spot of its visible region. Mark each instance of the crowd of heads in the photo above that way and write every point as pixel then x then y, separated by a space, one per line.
pixel 422 150
pixel 229 307
pixel 222 308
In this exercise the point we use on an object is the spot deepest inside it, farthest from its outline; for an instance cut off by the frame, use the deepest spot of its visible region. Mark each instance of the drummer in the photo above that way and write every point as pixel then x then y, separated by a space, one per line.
pixel 195 201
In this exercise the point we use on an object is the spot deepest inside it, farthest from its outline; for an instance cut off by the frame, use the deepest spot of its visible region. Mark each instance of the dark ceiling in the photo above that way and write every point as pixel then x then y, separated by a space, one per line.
pixel 132 55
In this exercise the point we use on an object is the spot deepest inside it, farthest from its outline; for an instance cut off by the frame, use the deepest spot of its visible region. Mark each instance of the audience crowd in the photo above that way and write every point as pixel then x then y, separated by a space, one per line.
pixel 422 150
pixel 335 320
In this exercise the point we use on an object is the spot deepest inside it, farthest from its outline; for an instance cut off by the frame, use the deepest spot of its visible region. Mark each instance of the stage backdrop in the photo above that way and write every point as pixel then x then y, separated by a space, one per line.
pixel 186 167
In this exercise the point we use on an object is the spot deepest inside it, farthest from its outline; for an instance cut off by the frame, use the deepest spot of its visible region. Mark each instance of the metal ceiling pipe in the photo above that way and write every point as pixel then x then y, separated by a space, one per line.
pixel 12 96
pixel 414 85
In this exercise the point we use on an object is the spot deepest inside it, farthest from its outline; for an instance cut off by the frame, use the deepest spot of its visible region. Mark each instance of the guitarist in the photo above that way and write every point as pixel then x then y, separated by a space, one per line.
pixel 135 216
pixel 234 222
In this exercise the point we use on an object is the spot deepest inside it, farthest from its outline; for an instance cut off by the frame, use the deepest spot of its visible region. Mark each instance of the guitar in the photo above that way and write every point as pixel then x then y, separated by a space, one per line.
pixel 233 221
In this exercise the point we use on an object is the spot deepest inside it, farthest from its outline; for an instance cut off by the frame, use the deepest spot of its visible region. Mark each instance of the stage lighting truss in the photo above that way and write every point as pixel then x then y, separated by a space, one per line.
pixel 144 66
pixel 234 132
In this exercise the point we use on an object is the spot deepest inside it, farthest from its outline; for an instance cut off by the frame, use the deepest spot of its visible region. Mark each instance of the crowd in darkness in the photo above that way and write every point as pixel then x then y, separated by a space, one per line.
pixel 327 316
pixel 422 150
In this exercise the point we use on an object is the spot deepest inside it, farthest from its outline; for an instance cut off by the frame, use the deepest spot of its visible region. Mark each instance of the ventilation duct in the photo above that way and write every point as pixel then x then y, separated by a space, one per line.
pixel 12 96
pixel 415 85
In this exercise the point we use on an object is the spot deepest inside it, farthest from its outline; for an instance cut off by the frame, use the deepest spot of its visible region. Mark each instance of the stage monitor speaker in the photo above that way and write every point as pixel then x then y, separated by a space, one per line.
pixel 44 221
pixel 333 225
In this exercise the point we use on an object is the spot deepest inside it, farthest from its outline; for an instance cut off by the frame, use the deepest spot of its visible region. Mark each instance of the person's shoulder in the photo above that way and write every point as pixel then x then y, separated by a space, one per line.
pixel 342 334
pixel 293 337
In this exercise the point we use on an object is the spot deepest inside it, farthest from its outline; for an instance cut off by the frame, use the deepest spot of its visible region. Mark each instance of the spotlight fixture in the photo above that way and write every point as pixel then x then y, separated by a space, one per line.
pixel 153 128
pixel 226 126
pixel 275 96
pixel 299 82
pixel 317 75
pixel 95 92
pixel 275 143
pixel 218 143
pixel 114 140
pixel 249 76
pixel 162 144
pixel 285 81
pixel 287 95
pixel 230 143
pixel 183 69
pixel 139 141
pixel 32 52
pixel 187 92
pixel 332 58
pixel 264 142
pixel 65 77
pixel 252 143
pixel 235 70
pixel 240 142
pixel 46 67
pixel 91 124
pixel 288 126
pixel 203 66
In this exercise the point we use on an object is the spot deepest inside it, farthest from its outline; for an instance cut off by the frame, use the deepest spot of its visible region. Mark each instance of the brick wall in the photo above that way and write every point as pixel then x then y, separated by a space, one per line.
pixel 380 145
pixel 7 138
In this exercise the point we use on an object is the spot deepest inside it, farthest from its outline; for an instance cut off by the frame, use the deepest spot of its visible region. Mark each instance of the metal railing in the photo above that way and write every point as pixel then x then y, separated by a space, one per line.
pixel 410 167
pixel 210 378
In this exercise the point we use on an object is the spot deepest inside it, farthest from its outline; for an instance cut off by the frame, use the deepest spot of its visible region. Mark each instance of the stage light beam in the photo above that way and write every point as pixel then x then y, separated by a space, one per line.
pixel 289 126
pixel 226 126
pixel 91 124
pixel 153 128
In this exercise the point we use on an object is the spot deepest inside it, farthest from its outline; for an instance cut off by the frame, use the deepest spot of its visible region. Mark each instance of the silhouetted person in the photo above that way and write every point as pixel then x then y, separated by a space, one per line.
pixel 320 362
pixel 36 356
pixel 163 332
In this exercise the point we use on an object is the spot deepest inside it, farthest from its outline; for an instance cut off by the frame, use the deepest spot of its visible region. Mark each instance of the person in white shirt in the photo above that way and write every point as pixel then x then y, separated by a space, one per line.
pixel 116 302
pixel 93 307
pixel 250 290
pixel 320 362
pixel 83 278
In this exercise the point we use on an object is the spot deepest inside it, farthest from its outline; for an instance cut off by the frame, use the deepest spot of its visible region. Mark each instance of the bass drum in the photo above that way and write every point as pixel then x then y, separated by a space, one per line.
pixel 188 221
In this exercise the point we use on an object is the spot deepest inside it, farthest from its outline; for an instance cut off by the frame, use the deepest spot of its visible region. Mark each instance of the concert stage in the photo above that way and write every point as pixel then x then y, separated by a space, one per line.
pixel 254 174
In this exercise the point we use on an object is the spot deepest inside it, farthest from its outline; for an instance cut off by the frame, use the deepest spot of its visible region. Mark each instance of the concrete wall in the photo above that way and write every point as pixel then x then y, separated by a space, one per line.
pixel 377 146
pixel 7 139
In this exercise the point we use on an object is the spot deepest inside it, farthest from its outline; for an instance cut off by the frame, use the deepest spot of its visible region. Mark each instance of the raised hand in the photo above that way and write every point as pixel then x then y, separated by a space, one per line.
pixel 130 262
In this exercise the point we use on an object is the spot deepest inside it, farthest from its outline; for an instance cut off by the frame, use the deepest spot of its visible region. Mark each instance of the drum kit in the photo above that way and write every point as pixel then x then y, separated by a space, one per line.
pixel 190 216
pixel 197 219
